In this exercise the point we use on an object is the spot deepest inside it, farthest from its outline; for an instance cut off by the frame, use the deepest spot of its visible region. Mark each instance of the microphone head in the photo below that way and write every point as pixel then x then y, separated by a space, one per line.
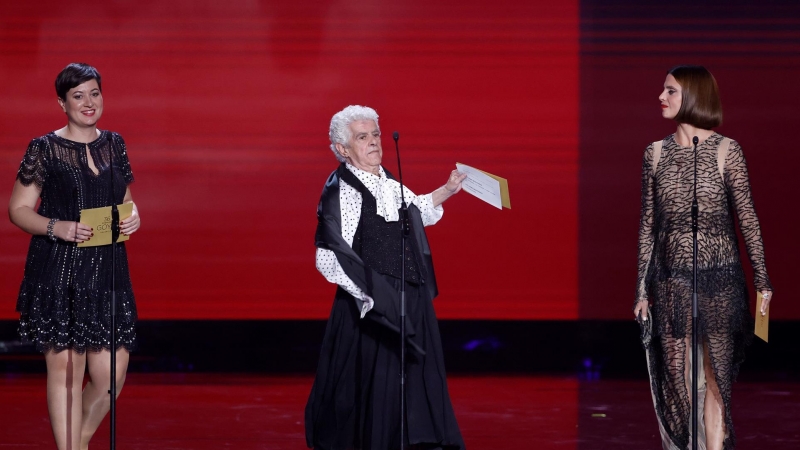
pixel 695 140
pixel 395 135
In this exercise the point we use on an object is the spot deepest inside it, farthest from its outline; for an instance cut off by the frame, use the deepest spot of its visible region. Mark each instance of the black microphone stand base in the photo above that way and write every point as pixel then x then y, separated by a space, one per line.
pixel 405 231
pixel 112 391
pixel 695 308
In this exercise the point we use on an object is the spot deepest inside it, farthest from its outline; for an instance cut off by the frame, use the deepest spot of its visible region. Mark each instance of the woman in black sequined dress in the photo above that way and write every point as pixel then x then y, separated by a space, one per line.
pixel 64 299
pixel 691 98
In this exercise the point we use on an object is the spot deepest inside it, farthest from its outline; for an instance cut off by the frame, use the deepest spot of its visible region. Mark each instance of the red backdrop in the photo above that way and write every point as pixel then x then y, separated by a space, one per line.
pixel 225 109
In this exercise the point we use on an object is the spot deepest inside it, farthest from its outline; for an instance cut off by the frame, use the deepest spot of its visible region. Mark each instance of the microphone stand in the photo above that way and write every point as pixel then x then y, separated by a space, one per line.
pixel 406 230
pixel 695 337
pixel 114 235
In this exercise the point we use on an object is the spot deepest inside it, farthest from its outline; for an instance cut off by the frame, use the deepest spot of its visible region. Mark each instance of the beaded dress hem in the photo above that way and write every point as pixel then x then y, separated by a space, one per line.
pixel 78 319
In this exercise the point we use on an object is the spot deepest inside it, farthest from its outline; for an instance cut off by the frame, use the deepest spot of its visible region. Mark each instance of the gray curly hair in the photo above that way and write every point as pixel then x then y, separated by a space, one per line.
pixel 340 125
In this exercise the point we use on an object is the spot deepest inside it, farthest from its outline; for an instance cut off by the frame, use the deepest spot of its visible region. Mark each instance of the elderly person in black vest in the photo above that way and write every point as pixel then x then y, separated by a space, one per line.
pixel 355 400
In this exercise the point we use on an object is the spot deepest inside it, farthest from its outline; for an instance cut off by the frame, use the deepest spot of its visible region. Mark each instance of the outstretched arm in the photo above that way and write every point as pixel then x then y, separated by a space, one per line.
pixel 451 188
pixel 430 205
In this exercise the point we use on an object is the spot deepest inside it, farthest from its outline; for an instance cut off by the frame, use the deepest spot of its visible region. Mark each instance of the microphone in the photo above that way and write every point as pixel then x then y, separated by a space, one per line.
pixel 403 206
pixel 114 210
pixel 695 307
pixel 695 208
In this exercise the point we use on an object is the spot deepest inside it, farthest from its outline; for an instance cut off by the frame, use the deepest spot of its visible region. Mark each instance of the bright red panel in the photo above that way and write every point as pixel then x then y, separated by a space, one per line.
pixel 225 108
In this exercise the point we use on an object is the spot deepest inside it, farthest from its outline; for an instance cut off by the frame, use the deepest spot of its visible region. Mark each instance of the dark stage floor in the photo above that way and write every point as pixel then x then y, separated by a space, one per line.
pixel 215 411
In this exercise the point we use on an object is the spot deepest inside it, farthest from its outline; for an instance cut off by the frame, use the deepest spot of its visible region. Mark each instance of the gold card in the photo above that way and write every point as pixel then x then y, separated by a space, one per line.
pixel 99 219
pixel 505 199
pixel 762 322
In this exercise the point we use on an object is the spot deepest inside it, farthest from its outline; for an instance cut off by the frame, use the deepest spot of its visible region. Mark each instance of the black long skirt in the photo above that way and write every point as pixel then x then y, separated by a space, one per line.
pixel 355 399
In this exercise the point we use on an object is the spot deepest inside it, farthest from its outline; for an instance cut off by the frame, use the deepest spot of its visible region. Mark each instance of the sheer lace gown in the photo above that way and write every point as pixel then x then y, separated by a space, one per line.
pixel 665 273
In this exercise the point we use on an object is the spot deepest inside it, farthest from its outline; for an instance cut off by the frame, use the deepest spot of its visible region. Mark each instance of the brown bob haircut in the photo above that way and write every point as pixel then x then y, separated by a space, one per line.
pixel 700 105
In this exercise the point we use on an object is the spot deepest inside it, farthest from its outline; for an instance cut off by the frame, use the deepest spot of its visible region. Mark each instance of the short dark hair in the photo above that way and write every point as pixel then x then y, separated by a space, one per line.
pixel 73 75
pixel 700 104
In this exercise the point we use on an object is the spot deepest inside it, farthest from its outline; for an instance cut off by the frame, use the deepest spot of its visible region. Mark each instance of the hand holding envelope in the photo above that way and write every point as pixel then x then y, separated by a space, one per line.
pixel 762 314
pixel 99 219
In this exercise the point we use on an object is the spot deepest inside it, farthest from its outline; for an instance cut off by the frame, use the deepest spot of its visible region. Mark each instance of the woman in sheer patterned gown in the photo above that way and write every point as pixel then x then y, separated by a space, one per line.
pixel 64 298
pixel 691 98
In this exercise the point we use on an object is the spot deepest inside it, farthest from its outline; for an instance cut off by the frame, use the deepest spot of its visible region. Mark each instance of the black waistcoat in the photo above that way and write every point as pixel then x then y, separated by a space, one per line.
pixel 379 242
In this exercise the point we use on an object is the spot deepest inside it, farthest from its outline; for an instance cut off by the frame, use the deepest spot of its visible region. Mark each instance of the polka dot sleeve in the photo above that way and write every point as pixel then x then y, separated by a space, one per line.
pixel 328 265
pixel 430 214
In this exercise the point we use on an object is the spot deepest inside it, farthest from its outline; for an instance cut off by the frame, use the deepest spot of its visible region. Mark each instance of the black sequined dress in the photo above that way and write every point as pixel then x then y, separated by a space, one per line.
pixel 665 272
pixel 64 299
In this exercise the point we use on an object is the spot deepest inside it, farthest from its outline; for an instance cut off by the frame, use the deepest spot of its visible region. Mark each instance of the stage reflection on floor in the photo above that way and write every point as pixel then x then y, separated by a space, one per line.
pixel 243 412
